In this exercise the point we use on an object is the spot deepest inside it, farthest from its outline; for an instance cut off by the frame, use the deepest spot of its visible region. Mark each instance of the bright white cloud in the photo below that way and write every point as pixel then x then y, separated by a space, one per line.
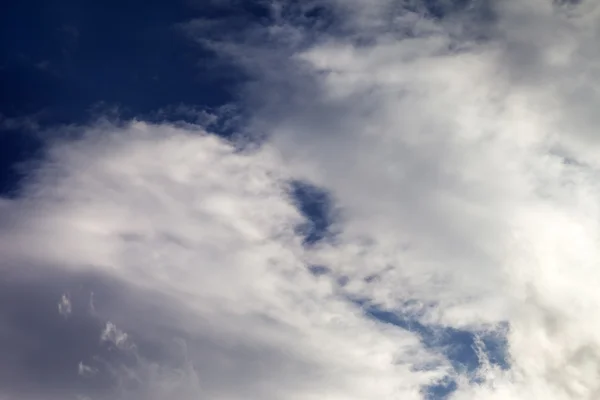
pixel 465 168
pixel 466 173
pixel 208 232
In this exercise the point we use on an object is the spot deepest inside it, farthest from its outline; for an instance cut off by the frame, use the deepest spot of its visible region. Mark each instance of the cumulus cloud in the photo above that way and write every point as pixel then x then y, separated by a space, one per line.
pixel 460 156
pixel 464 162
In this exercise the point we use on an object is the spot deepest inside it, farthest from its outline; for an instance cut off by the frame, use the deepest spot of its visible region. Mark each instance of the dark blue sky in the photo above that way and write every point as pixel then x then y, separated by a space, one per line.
pixel 68 61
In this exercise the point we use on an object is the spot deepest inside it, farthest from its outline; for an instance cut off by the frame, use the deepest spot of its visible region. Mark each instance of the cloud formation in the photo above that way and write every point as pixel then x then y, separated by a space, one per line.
pixel 202 237
pixel 457 147
pixel 463 160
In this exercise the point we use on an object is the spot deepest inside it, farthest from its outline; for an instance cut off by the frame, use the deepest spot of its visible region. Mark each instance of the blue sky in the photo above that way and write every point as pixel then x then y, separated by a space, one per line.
pixel 299 200
pixel 70 62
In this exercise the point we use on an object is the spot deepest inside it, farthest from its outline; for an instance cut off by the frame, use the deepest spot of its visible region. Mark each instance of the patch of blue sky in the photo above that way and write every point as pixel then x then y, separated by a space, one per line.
pixel 316 205
pixel 461 347
pixel 441 390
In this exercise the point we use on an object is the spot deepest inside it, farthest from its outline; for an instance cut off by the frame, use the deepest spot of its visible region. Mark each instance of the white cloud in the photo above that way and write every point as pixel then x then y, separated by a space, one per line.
pixel 115 336
pixel 208 232
pixel 465 170
pixel 64 306
pixel 86 370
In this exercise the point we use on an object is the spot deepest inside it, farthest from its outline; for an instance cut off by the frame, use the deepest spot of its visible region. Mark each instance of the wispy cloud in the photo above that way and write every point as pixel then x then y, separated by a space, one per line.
pixel 115 336
pixel 64 306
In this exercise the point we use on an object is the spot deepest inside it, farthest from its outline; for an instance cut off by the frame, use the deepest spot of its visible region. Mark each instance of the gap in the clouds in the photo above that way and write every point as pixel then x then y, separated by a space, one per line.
pixel 461 347
pixel 323 271
pixel 443 8
pixel 311 17
pixel 467 22
pixel 316 205
pixel 441 390
pixel 477 11
pixel 319 270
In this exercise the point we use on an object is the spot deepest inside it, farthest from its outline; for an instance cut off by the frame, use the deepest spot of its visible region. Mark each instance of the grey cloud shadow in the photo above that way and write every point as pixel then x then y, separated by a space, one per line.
pixel 41 349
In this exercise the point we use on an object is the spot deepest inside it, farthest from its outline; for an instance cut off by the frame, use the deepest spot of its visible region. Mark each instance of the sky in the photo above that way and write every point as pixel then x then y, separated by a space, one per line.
pixel 298 200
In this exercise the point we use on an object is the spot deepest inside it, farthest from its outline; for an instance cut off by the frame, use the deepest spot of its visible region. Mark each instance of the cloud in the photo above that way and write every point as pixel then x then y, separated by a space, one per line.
pixel 459 160
pixel 201 243
pixel 114 335
pixel 464 165
pixel 64 306
pixel 85 370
